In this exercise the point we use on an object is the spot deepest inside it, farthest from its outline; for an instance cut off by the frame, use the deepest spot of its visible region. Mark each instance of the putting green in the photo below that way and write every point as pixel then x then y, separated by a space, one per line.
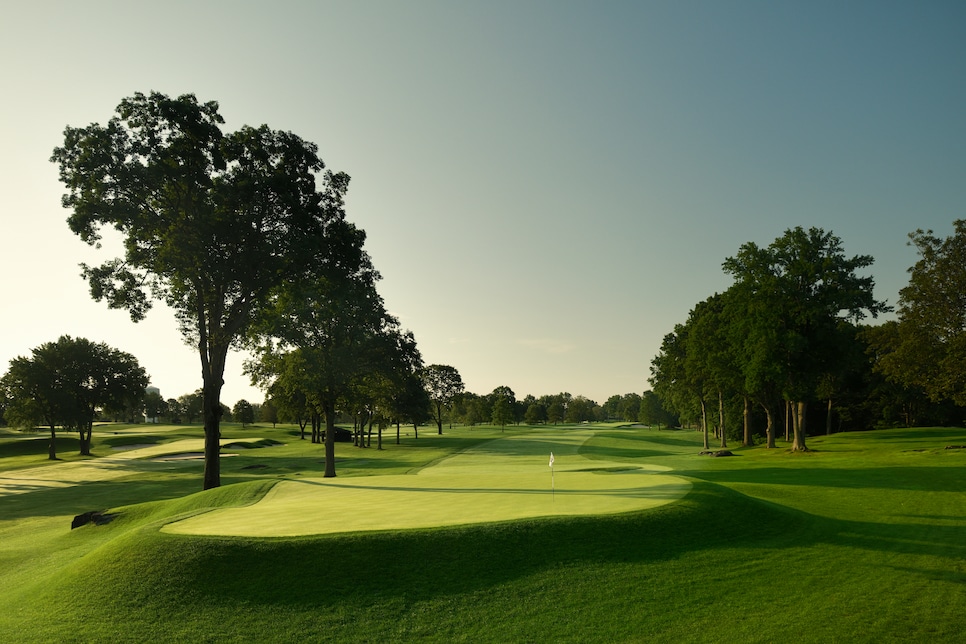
pixel 502 480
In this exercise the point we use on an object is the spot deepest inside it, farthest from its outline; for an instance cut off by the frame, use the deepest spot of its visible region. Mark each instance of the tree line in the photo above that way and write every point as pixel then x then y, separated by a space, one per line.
pixel 244 235
pixel 787 336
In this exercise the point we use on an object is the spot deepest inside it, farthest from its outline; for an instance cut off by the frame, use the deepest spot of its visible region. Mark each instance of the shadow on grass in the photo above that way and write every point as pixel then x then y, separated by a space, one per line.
pixel 653 437
pixel 950 433
pixel 98 495
pixel 422 564
pixel 142 572
pixel 606 453
pixel 930 479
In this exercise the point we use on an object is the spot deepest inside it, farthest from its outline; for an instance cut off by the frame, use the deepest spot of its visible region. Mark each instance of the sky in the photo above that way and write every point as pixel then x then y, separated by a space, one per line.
pixel 547 187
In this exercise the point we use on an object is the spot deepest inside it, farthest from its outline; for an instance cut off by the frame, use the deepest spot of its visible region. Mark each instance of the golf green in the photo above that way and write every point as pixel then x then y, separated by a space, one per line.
pixel 502 480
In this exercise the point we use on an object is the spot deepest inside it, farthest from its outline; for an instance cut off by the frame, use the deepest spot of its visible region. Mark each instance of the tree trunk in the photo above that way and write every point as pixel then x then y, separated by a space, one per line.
pixel 799 409
pixel 213 377
pixel 329 407
pixel 52 446
pixel 746 421
pixel 721 420
pixel 85 438
pixel 788 417
pixel 828 418
pixel 704 423
pixel 770 427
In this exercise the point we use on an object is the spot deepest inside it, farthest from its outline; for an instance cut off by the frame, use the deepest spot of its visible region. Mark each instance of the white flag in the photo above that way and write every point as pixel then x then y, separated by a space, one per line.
pixel 551 459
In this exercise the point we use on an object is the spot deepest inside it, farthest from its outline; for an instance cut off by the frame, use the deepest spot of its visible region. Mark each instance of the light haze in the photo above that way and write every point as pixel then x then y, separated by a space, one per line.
pixel 547 187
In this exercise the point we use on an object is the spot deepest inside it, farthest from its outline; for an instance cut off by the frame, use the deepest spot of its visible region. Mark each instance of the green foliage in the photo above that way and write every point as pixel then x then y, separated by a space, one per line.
pixel 927 348
pixel 444 385
pixel 217 225
pixel 243 412
pixel 502 410
pixel 784 331
pixel 68 382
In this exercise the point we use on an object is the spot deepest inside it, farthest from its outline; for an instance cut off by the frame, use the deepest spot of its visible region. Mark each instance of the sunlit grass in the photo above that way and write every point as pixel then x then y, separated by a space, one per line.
pixel 861 540
pixel 503 480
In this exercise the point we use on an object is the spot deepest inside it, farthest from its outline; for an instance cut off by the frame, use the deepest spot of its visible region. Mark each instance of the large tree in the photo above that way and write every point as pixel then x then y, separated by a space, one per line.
pixel 331 334
pixel 807 285
pixel 502 410
pixel 243 412
pixel 444 385
pixel 213 223
pixel 928 346
pixel 68 382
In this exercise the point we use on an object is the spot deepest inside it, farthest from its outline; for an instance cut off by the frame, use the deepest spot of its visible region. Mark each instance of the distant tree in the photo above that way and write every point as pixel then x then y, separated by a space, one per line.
pixel 444 385
pixel 243 412
pixel 612 407
pixel 555 412
pixel 173 410
pixel 630 407
pixel 580 410
pixel 503 400
pixel 474 409
pixel 535 414
pixel 214 224
pixel 410 403
pixel 269 412
pixel 191 406
pixel 651 411
pixel 154 405
pixel 66 383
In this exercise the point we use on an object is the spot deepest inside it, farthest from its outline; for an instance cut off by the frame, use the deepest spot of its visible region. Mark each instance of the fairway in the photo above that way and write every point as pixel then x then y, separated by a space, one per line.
pixel 502 480
pixel 120 464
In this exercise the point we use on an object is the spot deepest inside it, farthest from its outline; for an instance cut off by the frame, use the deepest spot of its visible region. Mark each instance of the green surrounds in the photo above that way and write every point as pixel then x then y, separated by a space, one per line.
pixel 505 479
pixel 860 540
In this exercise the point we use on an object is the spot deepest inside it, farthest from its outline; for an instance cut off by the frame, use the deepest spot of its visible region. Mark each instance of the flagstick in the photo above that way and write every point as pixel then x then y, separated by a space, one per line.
pixel 553 491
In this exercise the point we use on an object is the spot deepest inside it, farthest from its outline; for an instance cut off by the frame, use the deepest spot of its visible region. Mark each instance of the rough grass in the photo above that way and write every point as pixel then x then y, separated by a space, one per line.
pixel 861 540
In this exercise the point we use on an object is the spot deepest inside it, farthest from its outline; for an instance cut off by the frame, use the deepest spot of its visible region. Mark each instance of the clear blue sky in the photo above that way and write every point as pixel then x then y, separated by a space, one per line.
pixel 547 187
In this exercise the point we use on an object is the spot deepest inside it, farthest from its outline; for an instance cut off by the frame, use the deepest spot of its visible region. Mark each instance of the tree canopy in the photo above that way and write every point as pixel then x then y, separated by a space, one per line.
pixel 774 334
pixel 927 348
pixel 67 382
pixel 443 384
pixel 212 223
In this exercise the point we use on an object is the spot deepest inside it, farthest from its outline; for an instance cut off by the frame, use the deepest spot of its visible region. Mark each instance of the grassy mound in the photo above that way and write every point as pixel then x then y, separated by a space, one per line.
pixel 143 584
pixel 860 540
pixel 506 480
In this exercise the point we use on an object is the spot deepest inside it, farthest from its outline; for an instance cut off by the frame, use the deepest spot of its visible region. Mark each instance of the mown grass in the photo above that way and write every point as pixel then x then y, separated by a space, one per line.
pixel 862 540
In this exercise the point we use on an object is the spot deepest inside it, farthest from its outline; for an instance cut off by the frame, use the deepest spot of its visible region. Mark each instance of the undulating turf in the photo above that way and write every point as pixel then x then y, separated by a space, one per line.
pixel 861 540
pixel 505 479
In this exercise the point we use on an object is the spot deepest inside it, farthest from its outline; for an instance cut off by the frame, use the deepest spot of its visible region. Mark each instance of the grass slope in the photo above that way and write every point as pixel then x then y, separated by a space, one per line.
pixel 862 540
pixel 505 479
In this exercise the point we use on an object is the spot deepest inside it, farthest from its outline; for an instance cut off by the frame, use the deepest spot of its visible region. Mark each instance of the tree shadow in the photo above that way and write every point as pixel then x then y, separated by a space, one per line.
pixel 924 478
